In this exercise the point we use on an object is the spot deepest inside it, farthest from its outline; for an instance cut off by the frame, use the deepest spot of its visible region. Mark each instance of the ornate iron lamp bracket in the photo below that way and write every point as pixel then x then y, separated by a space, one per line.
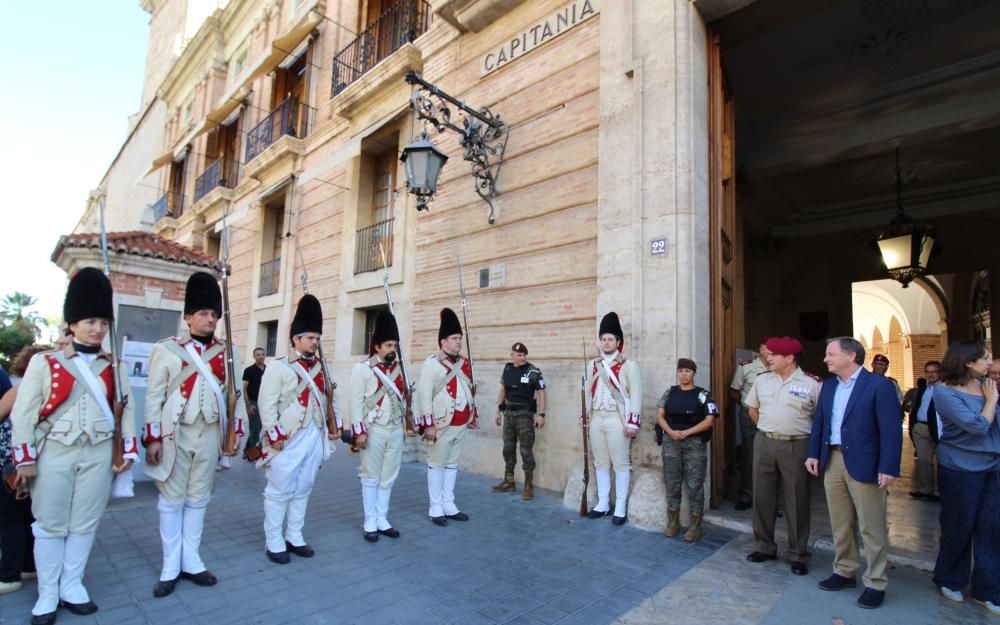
pixel 482 134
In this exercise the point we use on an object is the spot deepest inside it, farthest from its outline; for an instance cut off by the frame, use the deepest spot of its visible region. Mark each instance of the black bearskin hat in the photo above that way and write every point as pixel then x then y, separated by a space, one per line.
pixel 202 293
pixel 385 330
pixel 88 296
pixel 449 324
pixel 611 325
pixel 308 317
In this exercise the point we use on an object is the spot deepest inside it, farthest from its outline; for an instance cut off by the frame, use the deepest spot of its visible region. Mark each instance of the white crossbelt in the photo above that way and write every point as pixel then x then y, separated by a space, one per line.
pixel 312 388
pixel 618 386
pixel 95 388
pixel 385 380
pixel 210 380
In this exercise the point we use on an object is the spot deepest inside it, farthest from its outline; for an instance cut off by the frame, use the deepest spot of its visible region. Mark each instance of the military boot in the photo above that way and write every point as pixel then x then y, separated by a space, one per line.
pixel 507 485
pixel 673 523
pixel 694 532
pixel 529 489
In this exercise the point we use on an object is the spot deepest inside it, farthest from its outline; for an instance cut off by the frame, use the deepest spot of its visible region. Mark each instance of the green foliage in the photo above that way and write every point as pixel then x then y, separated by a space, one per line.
pixel 13 339
pixel 19 326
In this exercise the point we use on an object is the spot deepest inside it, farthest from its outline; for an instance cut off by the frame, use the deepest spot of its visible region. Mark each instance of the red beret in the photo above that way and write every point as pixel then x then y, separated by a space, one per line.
pixel 881 358
pixel 784 346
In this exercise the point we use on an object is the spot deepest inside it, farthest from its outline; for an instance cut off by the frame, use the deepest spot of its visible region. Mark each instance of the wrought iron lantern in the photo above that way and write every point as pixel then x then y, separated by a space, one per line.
pixel 482 134
pixel 905 245
pixel 423 162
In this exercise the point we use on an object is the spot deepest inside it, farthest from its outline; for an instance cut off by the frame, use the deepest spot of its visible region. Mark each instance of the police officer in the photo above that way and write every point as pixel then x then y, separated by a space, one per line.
pixel 516 401
pixel 880 366
pixel 782 402
pixel 739 389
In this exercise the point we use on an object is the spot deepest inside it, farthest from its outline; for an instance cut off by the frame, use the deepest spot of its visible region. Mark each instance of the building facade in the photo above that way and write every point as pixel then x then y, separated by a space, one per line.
pixel 617 189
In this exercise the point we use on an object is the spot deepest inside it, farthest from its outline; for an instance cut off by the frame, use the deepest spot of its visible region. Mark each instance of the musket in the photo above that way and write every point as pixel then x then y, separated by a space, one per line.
pixel 121 400
pixel 232 392
pixel 586 439
pixel 333 422
pixel 468 338
pixel 408 393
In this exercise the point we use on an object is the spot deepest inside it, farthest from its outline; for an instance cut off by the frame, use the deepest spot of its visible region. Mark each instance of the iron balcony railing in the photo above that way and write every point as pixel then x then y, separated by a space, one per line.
pixel 400 24
pixel 368 254
pixel 270 276
pixel 290 118
pixel 223 172
pixel 170 204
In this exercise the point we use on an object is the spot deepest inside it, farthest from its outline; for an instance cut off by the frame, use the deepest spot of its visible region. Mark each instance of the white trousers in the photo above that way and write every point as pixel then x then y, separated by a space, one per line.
pixel 612 449
pixel 290 478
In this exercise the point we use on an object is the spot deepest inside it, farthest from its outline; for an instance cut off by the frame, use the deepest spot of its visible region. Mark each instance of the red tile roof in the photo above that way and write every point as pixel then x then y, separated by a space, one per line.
pixel 138 243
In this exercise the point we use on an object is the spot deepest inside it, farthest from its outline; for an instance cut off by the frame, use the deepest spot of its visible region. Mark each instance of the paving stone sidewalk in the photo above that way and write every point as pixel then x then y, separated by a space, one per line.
pixel 515 562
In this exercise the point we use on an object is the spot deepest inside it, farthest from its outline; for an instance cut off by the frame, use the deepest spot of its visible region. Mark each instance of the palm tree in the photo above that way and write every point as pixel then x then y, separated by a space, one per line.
pixel 14 311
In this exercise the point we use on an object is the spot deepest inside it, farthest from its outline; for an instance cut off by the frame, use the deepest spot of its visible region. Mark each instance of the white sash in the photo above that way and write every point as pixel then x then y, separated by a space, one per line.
pixel 84 372
pixel 312 388
pixel 387 382
pixel 210 380
pixel 618 386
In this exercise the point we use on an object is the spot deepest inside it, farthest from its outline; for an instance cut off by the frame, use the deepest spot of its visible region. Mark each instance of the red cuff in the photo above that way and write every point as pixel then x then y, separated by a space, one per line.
pixel 359 429
pixel 427 421
pixel 24 453
pixel 152 433
pixel 276 434
pixel 238 427
pixel 633 421
pixel 130 448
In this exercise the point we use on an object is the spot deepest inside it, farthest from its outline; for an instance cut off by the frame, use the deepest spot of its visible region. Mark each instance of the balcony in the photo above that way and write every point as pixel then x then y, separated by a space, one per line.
pixel 270 277
pixel 368 251
pixel 290 119
pixel 170 204
pixel 401 23
pixel 223 172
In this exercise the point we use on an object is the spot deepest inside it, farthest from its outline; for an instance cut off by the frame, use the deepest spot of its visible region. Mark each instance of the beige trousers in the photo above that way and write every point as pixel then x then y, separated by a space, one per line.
pixel 381 457
pixel 608 441
pixel 72 487
pixel 926 447
pixel 856 504
pixel 448 447
pixel 194 469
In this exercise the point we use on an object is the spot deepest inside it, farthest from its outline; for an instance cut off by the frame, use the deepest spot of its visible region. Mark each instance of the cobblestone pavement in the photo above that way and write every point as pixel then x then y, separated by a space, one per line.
pixel 515 562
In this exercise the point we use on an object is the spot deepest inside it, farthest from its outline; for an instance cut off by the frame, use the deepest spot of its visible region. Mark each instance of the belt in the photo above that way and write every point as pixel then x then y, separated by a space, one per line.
pixel 785 437
pixel 834 447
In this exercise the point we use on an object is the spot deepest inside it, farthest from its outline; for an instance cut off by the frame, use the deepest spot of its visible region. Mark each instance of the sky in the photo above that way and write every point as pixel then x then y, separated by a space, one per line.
pixel 72 76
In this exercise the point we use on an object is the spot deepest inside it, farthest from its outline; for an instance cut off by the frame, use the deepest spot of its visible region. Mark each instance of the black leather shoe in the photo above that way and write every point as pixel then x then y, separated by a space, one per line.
pixel 458 516
pixel 371 537
pixel 392 532
pixel 43 619
pixel 439 520
pixel 597 514
pixel 164 588
pixel 303 551
pixel 619 520
pixel 280 557
pixel 205 578
pixel 80 609
pixel 799 568
pixel 744 505
pixel 871 598
pixel 837 582
pixel 759 556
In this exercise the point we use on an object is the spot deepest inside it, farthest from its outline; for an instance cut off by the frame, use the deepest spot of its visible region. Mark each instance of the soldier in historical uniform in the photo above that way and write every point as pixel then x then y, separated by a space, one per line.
pixel 63 427
pixel 519 383
pixel 378 415
pixel 739 390
pixel 782 403
pixel 880 366
pixel 185 420
pixel 295 438
pixel 615 388
pixel 446 402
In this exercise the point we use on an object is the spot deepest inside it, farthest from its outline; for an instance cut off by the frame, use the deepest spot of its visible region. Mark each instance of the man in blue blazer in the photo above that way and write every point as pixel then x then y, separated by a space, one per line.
pixel 856 442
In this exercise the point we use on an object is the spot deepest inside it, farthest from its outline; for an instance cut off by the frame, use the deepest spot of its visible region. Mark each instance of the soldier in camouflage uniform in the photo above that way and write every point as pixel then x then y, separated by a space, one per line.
pixel 518 384
pixel 686 413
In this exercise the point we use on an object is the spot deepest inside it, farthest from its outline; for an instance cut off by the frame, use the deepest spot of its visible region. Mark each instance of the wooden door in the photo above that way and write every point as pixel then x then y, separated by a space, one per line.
pixel 722 229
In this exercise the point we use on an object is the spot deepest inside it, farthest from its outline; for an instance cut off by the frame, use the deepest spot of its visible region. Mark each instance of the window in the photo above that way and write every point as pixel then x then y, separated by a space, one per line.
pixel 272 238
pixel 188 112
pixel 239 62
pixel 270 332
pixel 376 202
pixel 364 319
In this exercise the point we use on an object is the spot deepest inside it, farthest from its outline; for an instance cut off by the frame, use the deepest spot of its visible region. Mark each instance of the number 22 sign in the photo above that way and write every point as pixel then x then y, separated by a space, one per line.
pixel 657 247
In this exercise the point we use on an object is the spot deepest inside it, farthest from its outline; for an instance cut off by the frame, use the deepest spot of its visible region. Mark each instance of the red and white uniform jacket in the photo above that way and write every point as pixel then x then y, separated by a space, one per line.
pixel 287 402
pixel 615 384
pixel 55 402
pixel 444 393
pixel 372 399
